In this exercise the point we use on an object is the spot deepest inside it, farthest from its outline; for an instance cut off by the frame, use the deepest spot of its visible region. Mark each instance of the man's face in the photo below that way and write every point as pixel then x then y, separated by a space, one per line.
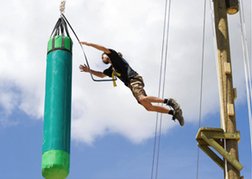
pixel 105 59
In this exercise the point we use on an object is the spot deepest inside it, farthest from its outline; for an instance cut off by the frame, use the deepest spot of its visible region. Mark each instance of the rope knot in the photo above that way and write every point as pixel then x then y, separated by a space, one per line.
pixel 62 6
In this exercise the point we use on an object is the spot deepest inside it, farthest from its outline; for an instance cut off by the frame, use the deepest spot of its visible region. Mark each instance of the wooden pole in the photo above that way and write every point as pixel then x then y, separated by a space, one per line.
pixel 226 90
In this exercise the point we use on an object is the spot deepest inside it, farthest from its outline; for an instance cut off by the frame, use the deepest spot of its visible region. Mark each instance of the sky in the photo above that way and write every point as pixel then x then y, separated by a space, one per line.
pixel 112 136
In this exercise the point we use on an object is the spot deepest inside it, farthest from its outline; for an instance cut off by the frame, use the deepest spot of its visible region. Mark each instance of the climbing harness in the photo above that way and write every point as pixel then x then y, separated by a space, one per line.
pixel 62 9
pixel 114 75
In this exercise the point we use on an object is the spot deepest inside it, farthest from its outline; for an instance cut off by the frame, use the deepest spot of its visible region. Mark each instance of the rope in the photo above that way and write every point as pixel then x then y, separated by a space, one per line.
pixel 60 28
pixel 247 73
pixel 162 75
pixel 84 54
pixel 201 82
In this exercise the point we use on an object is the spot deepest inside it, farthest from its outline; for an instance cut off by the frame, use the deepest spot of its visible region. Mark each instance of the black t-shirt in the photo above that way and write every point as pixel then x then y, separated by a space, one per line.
pixel 121 66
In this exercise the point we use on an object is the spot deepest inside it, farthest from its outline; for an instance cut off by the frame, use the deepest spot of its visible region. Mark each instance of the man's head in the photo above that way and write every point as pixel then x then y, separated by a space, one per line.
pixel 105 58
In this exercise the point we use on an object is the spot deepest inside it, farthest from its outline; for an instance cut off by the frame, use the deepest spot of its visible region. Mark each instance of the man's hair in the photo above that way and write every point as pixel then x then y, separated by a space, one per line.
pixel 102 56
pixel 120 54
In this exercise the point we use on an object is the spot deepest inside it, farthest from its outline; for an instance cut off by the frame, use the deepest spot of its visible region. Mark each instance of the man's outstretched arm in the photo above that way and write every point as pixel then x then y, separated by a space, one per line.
pixel 85 68
pixel 97 46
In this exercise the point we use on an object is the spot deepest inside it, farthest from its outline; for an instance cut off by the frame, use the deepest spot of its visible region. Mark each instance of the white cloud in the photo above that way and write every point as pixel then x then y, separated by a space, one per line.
pixel 135 29
pixel 7 101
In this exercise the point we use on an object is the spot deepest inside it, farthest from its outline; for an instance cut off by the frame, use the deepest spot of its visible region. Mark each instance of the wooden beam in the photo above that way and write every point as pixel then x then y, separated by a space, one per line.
pixel 235 163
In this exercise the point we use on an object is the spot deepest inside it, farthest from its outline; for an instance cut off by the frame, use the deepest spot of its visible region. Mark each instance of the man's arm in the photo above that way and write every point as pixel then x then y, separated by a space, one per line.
pixel 98 47
pixel 85 68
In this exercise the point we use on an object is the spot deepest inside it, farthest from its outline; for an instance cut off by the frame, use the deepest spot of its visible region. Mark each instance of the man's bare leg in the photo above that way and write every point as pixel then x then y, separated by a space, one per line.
pixel 146 102
pixel 153 99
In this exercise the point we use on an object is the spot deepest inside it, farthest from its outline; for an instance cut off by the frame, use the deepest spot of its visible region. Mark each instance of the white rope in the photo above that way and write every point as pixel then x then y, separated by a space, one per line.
pixel 247 72
pixel 162 78
pixel 201 80
pixel 62 6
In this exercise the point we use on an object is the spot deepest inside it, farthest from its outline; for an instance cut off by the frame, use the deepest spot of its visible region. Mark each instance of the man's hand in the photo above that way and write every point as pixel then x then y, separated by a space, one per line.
pixel 85 43
pixel 97 46
pixel 84 68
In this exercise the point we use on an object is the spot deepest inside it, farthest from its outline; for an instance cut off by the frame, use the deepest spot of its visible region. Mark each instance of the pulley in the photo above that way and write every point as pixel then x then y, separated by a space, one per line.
pixel 232 6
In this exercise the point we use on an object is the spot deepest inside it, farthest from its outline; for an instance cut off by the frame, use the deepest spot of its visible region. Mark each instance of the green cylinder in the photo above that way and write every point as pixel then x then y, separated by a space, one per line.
pixel 57 111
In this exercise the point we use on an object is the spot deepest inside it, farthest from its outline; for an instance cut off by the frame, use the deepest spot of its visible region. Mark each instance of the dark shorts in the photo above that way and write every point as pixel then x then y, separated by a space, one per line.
pixel 136 86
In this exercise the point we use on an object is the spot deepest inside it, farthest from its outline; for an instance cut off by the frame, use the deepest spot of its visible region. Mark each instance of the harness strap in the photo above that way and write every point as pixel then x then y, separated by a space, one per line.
pixel 114 75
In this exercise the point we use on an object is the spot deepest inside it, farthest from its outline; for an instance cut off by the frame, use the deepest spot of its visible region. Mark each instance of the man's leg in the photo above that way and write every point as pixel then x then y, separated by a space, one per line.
pixel 137 87
pixel 145 101
pixel 153 99
pixel 177 113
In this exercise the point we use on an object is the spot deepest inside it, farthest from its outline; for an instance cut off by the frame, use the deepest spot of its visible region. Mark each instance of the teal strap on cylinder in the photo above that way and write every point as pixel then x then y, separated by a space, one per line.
pixel 59 42
pixel 60 38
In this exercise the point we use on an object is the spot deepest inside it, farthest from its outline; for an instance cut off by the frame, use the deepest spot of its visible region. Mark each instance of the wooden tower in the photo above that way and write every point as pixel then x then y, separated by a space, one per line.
pixel 223 140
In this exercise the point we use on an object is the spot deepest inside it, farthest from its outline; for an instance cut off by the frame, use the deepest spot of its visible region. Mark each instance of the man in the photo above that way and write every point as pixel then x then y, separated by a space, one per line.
pixel 120 67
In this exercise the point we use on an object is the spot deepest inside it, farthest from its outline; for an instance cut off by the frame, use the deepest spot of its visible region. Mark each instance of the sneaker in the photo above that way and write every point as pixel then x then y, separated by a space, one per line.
pixel 179 116
pixel 173 103
pixel 177 111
